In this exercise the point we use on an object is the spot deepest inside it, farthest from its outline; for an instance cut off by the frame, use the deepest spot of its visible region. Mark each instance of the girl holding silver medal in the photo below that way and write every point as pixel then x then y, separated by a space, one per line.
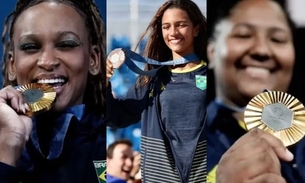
pixel 169 100
pixel 53 101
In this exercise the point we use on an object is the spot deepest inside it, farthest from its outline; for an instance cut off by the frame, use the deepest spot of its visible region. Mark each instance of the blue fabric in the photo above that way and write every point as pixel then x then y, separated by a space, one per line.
pixel 111 179
pixel 77 139
pixel 7 173
pixel 59 131
pixel 142 104
pixel 223 130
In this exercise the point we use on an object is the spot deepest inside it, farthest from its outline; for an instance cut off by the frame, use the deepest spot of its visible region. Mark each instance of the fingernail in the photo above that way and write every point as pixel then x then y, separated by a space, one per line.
pixel 27 107
pixel 289 154
pixel 112 72
pixel 23 108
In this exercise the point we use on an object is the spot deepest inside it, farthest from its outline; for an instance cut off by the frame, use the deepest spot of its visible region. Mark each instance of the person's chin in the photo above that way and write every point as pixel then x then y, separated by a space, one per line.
pixel 176 48
pixel 125 176
pixel 59 104
pixel 252 89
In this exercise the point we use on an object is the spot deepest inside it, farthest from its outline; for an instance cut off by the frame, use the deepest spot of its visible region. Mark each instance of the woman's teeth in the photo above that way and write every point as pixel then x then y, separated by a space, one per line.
pixel 51 81
pixel 257 72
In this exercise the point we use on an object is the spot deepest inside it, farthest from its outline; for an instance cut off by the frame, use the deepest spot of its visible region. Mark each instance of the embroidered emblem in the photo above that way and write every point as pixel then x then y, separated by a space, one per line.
pixel 151 93
pixel 100 168
pixel 201 82
pixel 162 87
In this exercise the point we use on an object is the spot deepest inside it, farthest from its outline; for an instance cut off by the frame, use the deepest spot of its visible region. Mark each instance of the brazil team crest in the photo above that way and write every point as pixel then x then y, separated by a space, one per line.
pixel 201 82
pixel 100 168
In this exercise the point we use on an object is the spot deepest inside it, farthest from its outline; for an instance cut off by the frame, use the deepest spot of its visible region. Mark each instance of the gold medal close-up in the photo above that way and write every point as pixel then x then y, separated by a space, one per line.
pixel 277 113
pixel 39 97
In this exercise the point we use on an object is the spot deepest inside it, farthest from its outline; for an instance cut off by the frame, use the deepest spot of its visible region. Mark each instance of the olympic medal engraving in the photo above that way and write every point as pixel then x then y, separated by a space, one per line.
pixel 117 58
pixel 277 113
pixel 32 95
pixel 277 116
pixel 39 97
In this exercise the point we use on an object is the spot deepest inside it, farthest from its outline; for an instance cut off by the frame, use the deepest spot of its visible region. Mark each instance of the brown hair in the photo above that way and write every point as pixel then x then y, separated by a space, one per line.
pixel 96 85
pixel 157 49
pixel 112 146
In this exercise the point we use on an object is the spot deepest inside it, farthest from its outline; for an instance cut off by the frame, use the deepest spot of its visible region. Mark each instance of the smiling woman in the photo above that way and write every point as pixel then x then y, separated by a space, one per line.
pixel 171 104
pixel 59 44
pixel 251 55
pixel 251 49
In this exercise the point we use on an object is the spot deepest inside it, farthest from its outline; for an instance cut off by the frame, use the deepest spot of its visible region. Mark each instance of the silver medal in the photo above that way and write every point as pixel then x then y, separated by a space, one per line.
pixel 277 116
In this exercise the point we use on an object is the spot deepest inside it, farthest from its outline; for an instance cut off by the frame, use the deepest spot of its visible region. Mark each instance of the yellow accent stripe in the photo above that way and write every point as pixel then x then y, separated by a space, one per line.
pixel 202 63
pixel 242 124
pixel 211 178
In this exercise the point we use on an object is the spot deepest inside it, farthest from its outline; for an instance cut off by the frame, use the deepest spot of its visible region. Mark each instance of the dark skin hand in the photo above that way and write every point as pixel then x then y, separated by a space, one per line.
pixel 253 158
pixel 15 127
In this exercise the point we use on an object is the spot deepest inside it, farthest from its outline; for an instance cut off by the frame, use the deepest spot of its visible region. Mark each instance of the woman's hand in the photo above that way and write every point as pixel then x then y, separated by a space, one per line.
pixel 253 158
pixel 15 127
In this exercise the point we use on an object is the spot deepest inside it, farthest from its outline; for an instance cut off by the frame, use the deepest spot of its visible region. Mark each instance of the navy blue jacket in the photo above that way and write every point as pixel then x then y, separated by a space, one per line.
pixel 223 130
pixel 78 139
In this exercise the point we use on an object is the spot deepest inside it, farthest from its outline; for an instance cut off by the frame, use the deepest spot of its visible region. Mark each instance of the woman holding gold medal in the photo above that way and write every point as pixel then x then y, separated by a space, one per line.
pixel 252 49
pixel 171 103
pixel 53 100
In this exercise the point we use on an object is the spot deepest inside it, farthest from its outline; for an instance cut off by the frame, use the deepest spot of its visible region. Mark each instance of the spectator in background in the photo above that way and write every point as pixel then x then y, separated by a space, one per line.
pixel 132 132
pixel 122 162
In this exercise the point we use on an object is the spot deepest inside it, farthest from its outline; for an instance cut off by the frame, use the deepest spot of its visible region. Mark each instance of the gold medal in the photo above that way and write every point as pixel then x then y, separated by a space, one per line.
pixel 117 58
pixel 39 97
pixel 277 113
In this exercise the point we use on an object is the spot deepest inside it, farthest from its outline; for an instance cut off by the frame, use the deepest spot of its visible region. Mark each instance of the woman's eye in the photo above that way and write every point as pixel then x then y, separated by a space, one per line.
pixel 243 36
pixel 29 47
pixel 279 38
pixel 68 45
pixel 241 32
pixel 165 27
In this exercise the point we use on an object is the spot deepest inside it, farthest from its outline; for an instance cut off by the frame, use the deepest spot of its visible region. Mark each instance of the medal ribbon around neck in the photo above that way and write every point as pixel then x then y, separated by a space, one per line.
pixel 120 56
pixel 39 97
pixel 277 113
pixel 233 108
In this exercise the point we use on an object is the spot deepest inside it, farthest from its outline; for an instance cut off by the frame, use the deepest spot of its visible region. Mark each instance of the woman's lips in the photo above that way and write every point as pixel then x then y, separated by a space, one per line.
pixel 257 72
pixel 175 41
